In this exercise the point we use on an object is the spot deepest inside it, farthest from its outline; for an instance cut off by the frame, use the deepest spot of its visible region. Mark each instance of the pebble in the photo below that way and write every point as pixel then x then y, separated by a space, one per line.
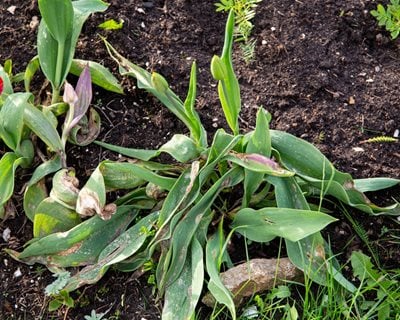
pixel 11 9
pixel 6 234
pixel 17 273
pixel 396 133
pixel 34 22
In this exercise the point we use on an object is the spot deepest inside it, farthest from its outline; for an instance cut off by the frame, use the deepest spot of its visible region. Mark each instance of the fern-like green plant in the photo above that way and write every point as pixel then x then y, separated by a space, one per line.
pixel 389 17
pixel 244 12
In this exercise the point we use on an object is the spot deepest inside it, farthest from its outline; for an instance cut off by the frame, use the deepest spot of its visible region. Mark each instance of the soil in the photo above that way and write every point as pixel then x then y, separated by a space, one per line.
pixel 323 69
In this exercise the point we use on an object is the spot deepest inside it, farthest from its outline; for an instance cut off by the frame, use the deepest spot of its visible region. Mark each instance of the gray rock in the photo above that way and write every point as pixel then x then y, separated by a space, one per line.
pixel 255 276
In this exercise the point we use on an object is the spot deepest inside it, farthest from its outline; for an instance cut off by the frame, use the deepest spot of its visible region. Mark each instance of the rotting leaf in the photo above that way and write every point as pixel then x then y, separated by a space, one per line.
pixel 108 211
pixel 88 203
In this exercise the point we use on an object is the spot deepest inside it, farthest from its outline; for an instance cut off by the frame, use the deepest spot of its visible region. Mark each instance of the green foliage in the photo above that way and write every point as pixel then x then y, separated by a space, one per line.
pixel 61 24
pixel 389 17
pixel 169 213
pixel 112 24
pixel 384 287
pixel 95 316
pixel 61 299
pixel 244 11
pixel 21 118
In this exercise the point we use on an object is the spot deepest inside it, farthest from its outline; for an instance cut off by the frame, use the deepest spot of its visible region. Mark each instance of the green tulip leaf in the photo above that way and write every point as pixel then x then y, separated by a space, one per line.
pixel 100 75
pixel 34 195
pixel 293 224
pixel 51 216
pixel 42 127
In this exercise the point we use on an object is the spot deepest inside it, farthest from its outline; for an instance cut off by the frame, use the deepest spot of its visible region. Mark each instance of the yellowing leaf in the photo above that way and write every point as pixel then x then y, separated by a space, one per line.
pixel 112 24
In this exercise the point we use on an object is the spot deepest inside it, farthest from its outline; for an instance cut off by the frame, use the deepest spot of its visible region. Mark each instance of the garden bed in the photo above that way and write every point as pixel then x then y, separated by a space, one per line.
pixel 323 69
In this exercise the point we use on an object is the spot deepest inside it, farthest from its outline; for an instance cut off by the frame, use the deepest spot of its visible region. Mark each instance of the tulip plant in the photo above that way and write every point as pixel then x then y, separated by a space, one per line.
pixel 20 118
pixel 180 216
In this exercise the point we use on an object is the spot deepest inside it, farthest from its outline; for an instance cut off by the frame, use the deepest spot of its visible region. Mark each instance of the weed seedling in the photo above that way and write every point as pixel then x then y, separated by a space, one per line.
pixel 389 17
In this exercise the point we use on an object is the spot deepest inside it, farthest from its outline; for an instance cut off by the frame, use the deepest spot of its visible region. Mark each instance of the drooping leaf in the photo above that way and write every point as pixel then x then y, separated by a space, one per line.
pixel 119 247
pixel 318 171
pixel 125 171
pixel 293 224
pixel 156 85
pixel 180 147
pixel 44 169
pixel 119 176
pixel 374 184
pixel 311 254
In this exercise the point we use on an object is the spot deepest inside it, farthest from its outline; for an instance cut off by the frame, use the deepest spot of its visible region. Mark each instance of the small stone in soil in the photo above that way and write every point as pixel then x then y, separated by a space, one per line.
pixel 6 234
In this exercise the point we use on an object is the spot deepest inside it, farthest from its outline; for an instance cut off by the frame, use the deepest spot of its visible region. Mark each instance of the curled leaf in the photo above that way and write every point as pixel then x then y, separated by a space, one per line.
pixel 78 100
pixel 65 188
pixel 108 211
pixel 88 203
pixel 159 83
pixel 84 92
pixel 87 130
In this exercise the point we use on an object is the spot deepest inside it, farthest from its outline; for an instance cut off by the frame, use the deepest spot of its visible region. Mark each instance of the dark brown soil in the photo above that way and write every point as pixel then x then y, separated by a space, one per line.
pixel 322 68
